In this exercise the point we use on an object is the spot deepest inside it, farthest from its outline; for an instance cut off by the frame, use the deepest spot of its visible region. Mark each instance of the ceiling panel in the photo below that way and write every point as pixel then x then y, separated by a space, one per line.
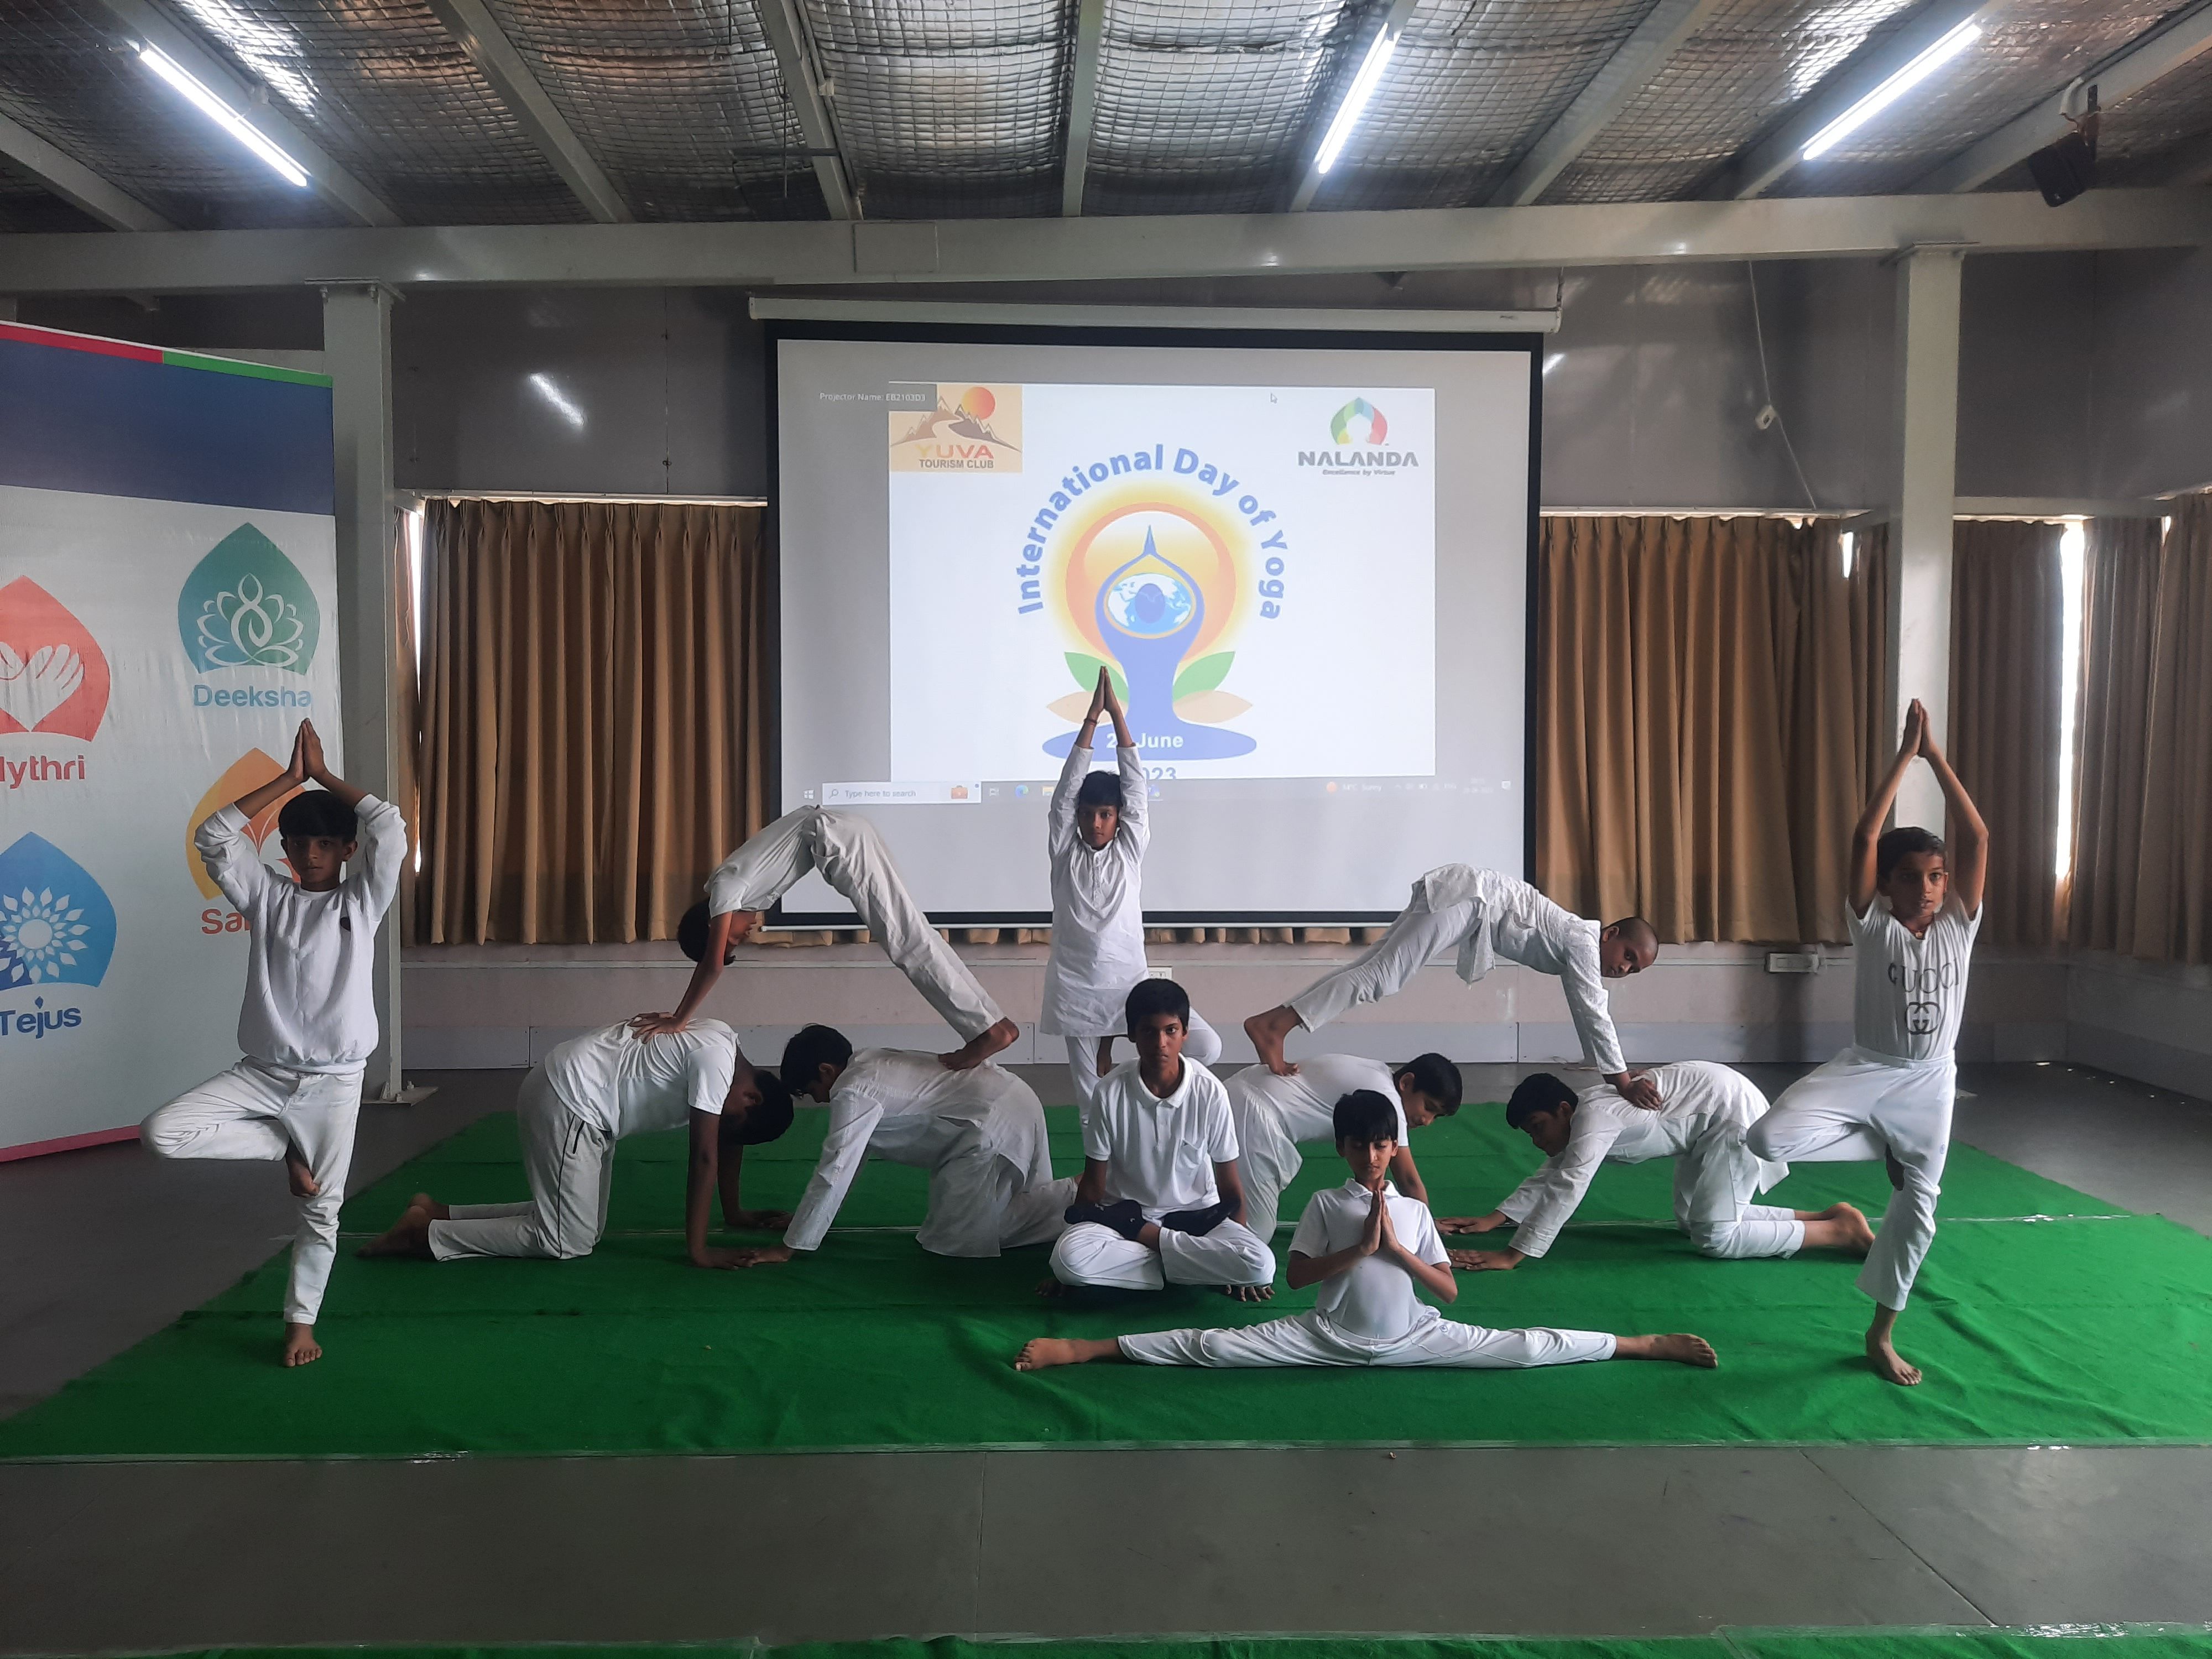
pixel 27 205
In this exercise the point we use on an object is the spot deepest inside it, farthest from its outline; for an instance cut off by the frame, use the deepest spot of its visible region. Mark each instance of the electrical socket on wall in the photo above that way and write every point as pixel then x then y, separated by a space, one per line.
pixel 1793 962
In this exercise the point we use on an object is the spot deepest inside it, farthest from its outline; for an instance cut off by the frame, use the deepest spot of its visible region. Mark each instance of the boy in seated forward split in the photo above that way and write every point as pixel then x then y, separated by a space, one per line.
pixel 1368 1248
pixel 1159 1201
pixel 580 1099
pixel 1716 1177
pixel 308 1022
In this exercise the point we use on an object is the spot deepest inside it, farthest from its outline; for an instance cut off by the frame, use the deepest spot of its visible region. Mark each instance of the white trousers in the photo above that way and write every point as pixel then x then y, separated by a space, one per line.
pixel 1862 1105
pixel 1202 1048
pixel 1267 1159
pixel 258 1113
pixel 1715 1185
pixel 1758 1230
pixel 1418 934
pixel 569 1162
pixel 979 1205
pixel 1307 1339
pixel 1088 1254
pixel 850 855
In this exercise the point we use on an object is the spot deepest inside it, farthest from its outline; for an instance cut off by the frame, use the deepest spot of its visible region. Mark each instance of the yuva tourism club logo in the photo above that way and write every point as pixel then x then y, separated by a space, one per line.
pixel 246 605
pixel 244 774
pixel 956 428
pixel 57 928
pixel 1359 432
pixel 53 683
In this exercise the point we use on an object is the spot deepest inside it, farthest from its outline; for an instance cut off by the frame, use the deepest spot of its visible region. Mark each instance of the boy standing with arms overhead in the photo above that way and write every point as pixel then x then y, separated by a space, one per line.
pixel 1913 916
pixel 308 1021
pixel 1096 836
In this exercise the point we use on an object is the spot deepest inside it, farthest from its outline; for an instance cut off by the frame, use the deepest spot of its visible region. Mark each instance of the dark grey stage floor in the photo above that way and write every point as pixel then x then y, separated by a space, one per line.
pixel 104 1247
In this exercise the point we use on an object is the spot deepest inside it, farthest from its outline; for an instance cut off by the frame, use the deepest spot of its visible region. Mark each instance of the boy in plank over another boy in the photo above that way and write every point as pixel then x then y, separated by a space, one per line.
pixel 1371 1250
pixel 1716 1177
pixel 1913 914
pixel 1160 1202
pixel 308 1021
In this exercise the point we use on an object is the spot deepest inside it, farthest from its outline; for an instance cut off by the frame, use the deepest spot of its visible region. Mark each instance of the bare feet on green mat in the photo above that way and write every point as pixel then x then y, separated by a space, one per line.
pixel 300 1177
pixel 1267 1032
pixel 1681 1347
pixel 1042 1353
pixel 410 1234
pixel 1890 1365
pixel 300 1347
pixel 1248 1293
pixel 1838 1227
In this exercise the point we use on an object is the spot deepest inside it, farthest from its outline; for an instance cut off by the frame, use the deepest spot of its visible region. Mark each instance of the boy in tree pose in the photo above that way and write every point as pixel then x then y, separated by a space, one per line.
pixel 1913 916
pixel 1159 1201
pixel 1274 1114
pixel 1096 836
pixel 1486 915
pixel 851 858
pixel 1372 1251
pixel 576 1103
pixel 1701 1127
pixel 308 1022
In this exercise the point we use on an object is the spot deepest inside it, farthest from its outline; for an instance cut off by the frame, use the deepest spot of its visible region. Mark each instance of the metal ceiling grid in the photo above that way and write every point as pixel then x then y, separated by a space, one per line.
pixel 1473 85
pixel 77 86
pixel 680 100
pixel 2029 50
pixel 946 108
pixel 1726 84
pixel 2133 137
pixel 1203 103
pixel 27 206
pixel 384 88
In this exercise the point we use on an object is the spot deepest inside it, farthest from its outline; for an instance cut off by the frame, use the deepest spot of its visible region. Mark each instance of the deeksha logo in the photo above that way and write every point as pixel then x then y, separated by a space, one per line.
pixel 53 676
pixel 245 605
pixel 55 925
pixel 1359 422
pixel 247 774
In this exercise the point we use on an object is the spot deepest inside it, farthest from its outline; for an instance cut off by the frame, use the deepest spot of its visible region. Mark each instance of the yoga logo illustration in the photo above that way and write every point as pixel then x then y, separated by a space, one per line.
pixel 245 605
pixel 53 676
pixel 245 774
pixel 55 925
pixel 1359 422
pixel 956 428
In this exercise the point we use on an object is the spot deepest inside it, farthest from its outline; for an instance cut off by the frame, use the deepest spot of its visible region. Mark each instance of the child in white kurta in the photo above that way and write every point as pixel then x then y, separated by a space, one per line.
pixel 1098 902
pixel 1274 1113
pixel 1716 1177
pixel 308 1023
pixel 1483 914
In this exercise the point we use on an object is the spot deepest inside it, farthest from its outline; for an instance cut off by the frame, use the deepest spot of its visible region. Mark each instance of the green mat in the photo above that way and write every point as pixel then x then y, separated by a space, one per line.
pixel 2079 1326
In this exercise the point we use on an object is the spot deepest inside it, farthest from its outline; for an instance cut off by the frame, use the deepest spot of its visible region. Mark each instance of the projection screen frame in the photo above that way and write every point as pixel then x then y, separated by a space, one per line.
pixel 778 330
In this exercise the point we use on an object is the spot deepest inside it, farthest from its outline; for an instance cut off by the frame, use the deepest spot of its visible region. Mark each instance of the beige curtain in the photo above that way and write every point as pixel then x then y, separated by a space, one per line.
pixel 2142 841
pixel 2007 613
pixel 595 694
pixel 1706 688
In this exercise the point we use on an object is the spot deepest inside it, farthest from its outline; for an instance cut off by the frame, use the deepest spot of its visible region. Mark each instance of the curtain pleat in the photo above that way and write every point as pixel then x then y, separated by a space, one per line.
pixel 594 715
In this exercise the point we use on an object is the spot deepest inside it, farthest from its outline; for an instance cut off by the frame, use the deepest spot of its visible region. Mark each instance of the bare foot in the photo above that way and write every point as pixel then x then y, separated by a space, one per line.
pixel 977 1050
pixel 1042 1353
pixel 1681 1347
pixel 1857 1234
pixel 1267 1032
pixel 301 1180
pixel 300 1347
pixel 1248 1293
pixel 1889 1364
pixel 410 1234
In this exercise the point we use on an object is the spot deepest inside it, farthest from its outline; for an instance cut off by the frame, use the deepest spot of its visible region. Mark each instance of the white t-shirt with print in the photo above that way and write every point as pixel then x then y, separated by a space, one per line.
pixel 1910 994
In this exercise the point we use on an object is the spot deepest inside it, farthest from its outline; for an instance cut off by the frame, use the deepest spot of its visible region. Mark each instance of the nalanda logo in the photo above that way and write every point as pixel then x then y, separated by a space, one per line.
pixel 53 676
pixel 245 605
pixel 57 927
pixel 1359 422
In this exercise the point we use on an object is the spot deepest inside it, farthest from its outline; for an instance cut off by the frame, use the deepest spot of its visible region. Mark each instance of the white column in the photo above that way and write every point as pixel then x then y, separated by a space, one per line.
pixel 1927 390
pixel 357 353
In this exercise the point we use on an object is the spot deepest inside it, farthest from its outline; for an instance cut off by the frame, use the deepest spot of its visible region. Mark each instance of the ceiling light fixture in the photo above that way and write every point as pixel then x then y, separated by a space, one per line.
pixel 1355 101
pixel 220 113
pixel 1892 89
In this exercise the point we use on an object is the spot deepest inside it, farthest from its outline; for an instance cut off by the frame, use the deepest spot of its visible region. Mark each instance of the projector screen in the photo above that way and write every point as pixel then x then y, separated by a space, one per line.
pixel 1304 558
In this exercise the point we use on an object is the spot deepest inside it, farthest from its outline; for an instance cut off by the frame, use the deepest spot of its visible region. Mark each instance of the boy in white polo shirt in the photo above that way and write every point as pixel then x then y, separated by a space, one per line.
pixel 1913 916
pixel 1371 1251
pixel 308 1022
pixel 1159 1201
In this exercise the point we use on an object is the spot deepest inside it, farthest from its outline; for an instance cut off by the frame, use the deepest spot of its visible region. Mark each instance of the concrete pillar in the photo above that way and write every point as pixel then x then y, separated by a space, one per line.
pixel 1925 501
pixel 357 354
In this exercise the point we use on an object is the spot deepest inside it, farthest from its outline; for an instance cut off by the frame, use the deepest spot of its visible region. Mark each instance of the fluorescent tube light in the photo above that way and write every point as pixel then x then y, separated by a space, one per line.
pixel 220 113
pixel 1355 101
pixel 1892 89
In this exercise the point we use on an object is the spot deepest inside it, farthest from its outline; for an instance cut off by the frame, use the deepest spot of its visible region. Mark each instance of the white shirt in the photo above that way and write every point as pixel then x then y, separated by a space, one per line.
pixel 1706 1104
pixel 1373 1299
pixel 1306 1102
pixel 905 1107
pixel 628 1085
pixel 1910 994
pixel 310 1001
pixel 1161 1152
pixel 1097 906
pixel 1514 920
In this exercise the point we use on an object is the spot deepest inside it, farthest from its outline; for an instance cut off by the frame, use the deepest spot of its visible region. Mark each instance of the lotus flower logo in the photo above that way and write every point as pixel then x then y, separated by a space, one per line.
pixel 56 924
pixel 245 605
pixel 250 626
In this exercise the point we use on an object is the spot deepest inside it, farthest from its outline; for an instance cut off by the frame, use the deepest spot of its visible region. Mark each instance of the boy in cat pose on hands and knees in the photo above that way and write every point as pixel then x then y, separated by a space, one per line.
pixel 1100 826
pixel 1915 908
pixel 308 1021
pixel 1708 1107
pixel 1274 1114
pixel 1486 915
pixel 1372 1251
pixel 851 858
pixel 1159 1201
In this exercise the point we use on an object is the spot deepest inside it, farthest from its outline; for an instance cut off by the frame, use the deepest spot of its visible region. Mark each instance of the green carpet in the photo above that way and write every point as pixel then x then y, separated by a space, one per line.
pixel 2078 1326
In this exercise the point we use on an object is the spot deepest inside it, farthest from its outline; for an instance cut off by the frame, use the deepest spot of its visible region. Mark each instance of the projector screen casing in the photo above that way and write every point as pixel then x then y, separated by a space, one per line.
pixel 814 904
